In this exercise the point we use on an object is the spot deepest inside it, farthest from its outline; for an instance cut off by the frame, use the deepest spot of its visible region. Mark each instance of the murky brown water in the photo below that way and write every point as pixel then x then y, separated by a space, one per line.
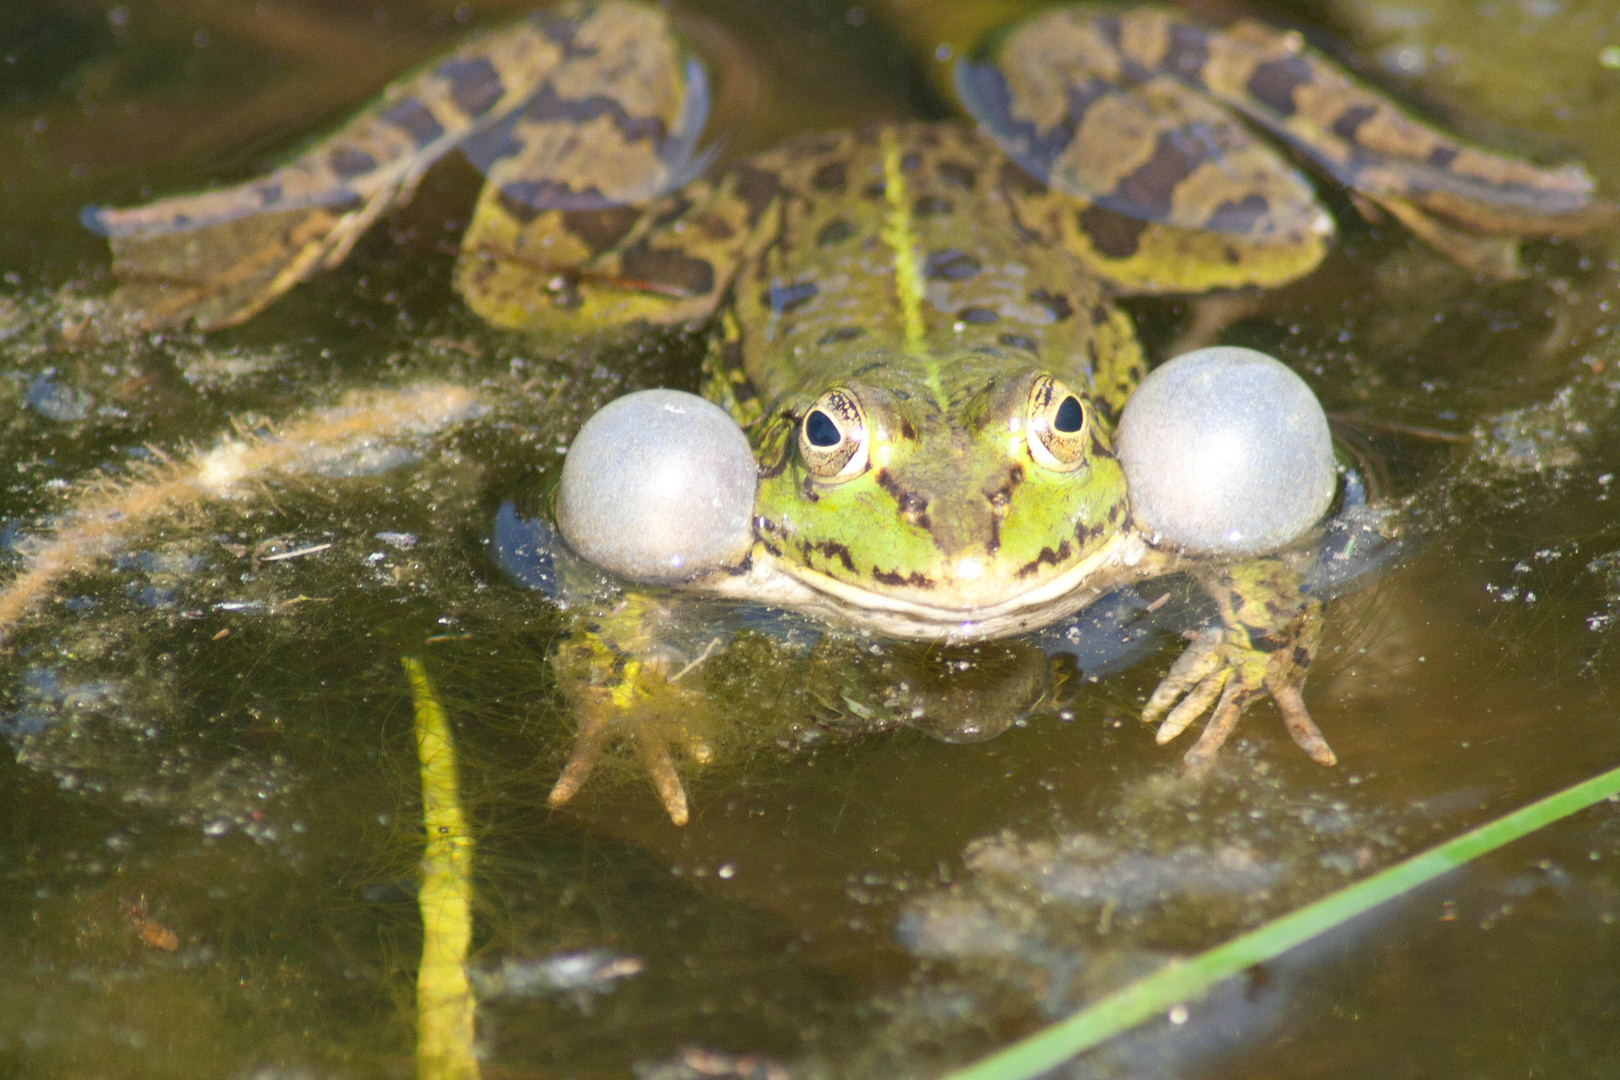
pixel 209 840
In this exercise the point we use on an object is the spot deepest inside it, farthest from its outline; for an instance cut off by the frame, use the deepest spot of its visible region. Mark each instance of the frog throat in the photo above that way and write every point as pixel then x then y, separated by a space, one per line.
pixel 767 579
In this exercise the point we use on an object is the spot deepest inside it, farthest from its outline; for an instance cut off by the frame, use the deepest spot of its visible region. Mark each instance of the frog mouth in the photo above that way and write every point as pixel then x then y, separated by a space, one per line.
pixel 768 579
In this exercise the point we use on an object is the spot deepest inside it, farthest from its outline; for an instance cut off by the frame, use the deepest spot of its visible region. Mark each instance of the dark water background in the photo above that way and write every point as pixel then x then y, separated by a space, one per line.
pixel 876 906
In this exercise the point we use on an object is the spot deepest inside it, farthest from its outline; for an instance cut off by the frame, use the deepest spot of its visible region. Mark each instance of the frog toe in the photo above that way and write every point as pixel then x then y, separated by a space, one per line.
pixel 652 747
pixel 1212 676
pixel 1199 674
pixel 1234 699
pixel 1197 702
pixel 1306 735
pixel 588 747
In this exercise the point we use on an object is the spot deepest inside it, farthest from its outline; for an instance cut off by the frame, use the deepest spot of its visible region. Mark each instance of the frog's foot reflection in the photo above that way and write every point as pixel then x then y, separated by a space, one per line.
pixel 1223 669
pixel 639 702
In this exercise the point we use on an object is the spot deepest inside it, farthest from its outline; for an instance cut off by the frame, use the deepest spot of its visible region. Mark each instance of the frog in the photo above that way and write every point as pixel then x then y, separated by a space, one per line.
pixel 916 323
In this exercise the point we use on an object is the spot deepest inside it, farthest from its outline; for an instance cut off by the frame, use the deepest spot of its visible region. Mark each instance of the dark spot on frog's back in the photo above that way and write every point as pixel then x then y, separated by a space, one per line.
pixel 785 298
pixel 1275 81
pixel 1056 303
pixel 829 178
pixel 812 145
pixel 416 120
pixel 676 204
pixel 1112 234
pixel 950 265
pixel 957 174
pixel 671 268
pixel 931 206
pixel 1018 180
pixel 756 187
pixel 975 316
pixel 834 232
pixel 475 85
pixel 598 229
pixel 1019 341
pixel 840 335
pixel 713 227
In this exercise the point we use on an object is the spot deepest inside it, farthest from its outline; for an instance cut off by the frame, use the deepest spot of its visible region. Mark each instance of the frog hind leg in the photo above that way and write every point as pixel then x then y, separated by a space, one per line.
pixel 1127 112
pixel 1269 634
pixel 577 272
pixel 592 217
pixel 217 258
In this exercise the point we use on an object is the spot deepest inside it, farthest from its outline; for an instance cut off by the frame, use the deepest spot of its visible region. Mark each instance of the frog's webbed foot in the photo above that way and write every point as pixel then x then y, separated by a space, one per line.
pixel 1217 670
pixel 1268 639
pixel 631 699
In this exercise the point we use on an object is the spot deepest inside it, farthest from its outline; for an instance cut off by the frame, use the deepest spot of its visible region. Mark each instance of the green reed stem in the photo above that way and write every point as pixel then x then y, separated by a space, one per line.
pixel 1185 981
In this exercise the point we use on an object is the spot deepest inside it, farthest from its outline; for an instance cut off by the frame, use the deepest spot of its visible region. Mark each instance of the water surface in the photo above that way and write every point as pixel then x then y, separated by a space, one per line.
pixel 209 839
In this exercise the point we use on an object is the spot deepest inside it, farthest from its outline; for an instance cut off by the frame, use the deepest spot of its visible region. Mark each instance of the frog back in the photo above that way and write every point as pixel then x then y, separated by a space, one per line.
pixel 892 247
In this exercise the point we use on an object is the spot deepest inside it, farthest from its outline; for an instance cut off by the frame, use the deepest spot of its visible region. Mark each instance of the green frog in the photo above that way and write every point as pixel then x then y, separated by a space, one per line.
pixel 913 322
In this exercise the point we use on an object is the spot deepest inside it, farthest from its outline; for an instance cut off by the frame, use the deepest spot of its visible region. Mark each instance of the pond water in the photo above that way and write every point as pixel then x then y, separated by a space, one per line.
pixel 211 817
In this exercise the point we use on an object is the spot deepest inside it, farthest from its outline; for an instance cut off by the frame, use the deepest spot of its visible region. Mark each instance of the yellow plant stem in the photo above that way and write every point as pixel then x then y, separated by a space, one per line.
pixel 444 1002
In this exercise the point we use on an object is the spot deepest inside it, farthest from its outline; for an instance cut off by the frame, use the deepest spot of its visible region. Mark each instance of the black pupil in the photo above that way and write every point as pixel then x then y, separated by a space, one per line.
pixel 821 431
pixel 1068 417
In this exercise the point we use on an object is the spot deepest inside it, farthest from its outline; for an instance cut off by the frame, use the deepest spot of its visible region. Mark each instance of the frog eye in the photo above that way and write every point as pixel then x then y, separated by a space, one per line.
pixel 832 437
pixel 1058 426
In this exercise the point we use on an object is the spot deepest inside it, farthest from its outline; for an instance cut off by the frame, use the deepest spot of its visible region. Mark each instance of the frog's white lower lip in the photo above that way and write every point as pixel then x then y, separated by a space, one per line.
pixel 771 580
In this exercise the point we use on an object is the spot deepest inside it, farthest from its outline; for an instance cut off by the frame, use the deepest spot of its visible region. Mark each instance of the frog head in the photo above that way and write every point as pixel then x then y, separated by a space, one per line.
pixel 944 507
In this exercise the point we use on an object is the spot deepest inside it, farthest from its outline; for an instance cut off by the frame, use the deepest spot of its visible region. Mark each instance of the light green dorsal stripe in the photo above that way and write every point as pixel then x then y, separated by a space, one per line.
pixel 908 278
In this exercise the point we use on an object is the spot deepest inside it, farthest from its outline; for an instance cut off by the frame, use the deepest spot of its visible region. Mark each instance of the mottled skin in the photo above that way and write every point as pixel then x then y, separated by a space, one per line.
pixel 914 322
pixel 944 504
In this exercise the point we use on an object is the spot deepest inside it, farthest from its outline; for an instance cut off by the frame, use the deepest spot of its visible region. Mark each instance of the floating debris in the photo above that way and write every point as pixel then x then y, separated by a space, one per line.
pixel 589 970
pixel 153 934
pixel 694 1063
pixel 343 440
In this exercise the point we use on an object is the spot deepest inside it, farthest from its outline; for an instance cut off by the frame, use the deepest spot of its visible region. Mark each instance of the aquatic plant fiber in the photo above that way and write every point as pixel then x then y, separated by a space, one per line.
pixel 1182 982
